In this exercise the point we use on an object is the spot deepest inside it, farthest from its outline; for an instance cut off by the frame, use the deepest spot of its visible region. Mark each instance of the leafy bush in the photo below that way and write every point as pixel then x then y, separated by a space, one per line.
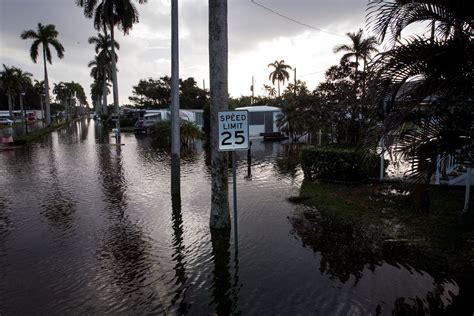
pixel 188 131
pixel 162 132
pixel 338 164
pixel 127 122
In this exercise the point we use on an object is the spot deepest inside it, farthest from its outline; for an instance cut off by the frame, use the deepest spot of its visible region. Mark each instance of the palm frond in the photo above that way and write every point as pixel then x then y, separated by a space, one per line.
pixel 58 47
pixel 34 50
pixel 30 34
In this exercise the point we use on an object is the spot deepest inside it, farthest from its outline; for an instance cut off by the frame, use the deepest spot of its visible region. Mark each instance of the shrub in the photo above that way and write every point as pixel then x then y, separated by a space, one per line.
pixel 188 131
pixel 162 132
pixel 127 121
pixel 338 164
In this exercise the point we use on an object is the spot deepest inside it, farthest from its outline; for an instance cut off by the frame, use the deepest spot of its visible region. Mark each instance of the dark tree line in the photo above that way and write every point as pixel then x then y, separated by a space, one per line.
pixel 156 93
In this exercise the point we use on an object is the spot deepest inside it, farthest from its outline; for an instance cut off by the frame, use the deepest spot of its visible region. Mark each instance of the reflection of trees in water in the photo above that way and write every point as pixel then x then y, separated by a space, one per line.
pixel 5 222
pixel 58 206
pixel 150 151
pixel 432 304
pixel 5 226
pixel 288 160
pixel 124 252
pixel 84 129
pixel 224 294
pixel 179 258
pixel 101 133
pixel 69 133
pixel 346 251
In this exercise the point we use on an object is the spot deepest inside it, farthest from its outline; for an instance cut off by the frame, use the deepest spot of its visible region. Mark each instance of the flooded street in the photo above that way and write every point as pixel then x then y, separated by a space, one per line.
pixel 90 228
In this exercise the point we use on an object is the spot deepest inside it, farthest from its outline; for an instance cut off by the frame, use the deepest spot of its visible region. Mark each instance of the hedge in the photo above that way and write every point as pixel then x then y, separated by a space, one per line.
pixel 338 164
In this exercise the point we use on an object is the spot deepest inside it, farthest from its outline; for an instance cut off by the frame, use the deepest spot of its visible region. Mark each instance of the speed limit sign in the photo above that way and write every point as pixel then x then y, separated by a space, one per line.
pixel 233 130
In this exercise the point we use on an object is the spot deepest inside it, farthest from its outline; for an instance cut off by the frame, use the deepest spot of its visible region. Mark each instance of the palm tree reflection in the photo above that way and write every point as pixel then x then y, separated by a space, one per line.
pixel 224 294
pixel 58 206
pixel 125 251
pixel 179 257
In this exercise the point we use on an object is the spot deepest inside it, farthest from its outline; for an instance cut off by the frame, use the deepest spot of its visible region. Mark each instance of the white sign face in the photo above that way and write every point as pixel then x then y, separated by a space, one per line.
pixel 233 130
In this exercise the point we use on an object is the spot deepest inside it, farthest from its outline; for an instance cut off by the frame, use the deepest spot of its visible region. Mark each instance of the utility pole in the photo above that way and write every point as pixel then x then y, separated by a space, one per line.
pixel 253 89
pixel 203 84
pixel 295 80
pixel 175 121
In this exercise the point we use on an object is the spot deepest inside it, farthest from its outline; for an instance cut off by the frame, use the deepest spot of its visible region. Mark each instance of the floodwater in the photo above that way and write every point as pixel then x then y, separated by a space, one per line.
pixel 90 228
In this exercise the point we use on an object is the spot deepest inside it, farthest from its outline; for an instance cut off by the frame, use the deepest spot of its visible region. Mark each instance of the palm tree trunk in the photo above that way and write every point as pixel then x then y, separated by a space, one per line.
pixel 10 105
pixel 278 88
pixel 46 90
pixel 218 64
pixel 98 105
pixel 104 98
pixel 115 84
pixel 23 112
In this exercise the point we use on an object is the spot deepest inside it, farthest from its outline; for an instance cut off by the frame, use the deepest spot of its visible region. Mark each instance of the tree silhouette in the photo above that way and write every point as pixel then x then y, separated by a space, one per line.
pixel 280 73
pixel 45 35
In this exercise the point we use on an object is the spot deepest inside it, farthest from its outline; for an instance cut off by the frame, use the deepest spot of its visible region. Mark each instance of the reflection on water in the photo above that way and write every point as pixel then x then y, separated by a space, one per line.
pixel 348 254
pixel 221 281
pixel 179 297
pixel 58 206
pixel 87 227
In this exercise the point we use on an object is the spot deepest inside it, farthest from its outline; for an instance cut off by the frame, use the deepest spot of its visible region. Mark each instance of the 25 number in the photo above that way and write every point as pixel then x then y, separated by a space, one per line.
pixel 238 135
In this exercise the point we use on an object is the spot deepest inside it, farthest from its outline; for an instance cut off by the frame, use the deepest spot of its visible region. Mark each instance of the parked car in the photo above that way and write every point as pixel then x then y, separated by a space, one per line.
pixel 6 121
pixel 144 124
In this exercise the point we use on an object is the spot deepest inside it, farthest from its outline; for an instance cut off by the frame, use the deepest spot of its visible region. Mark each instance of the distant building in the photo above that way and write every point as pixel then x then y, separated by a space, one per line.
pixel 262 119
pixel 194 116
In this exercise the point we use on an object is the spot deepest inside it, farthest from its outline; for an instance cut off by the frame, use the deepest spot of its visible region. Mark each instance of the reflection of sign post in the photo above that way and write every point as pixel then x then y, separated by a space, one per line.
pixel 233 135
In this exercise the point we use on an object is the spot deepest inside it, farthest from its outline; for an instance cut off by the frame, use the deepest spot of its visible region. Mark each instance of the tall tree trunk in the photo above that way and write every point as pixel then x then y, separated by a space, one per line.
pixel 98 105
pixel 42 107
pixel 115 82
pixel 278 88
pixel 46 90
pixel 104 98
pixel 218 65
pixel 23 113
pixel 10 105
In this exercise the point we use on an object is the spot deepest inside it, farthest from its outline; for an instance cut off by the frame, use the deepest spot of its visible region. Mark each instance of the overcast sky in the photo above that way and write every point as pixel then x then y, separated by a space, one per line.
pixel 257 37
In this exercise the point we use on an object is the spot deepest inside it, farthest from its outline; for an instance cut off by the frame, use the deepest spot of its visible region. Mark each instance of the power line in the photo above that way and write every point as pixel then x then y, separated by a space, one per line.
pixel 313 73
pixel 293 20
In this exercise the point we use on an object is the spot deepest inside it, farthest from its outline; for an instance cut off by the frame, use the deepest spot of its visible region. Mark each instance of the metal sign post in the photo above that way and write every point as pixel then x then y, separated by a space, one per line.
pixel 234 135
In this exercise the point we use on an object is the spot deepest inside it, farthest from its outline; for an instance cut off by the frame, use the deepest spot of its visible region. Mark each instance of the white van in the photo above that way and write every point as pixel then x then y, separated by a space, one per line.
pixel 146 122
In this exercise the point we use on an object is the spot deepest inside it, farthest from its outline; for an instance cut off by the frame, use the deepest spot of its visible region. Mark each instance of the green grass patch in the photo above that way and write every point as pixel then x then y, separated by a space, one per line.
pixel 127 129
pixel 35 135
pixel 388 212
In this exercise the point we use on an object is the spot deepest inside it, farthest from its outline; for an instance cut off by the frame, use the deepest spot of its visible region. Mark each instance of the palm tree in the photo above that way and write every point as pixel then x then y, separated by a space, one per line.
pixel 62 95
pixel 218 65
pixel 101 71
pixel 96 92
pixel 103 44
pixel 360 49
pixel 39 89
pixel 426 83
pixel 22 82
pixel 8 84
pixel 280 73
pixel 270 90
pixel 102 65
pixel 107 14
pixel 46 35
